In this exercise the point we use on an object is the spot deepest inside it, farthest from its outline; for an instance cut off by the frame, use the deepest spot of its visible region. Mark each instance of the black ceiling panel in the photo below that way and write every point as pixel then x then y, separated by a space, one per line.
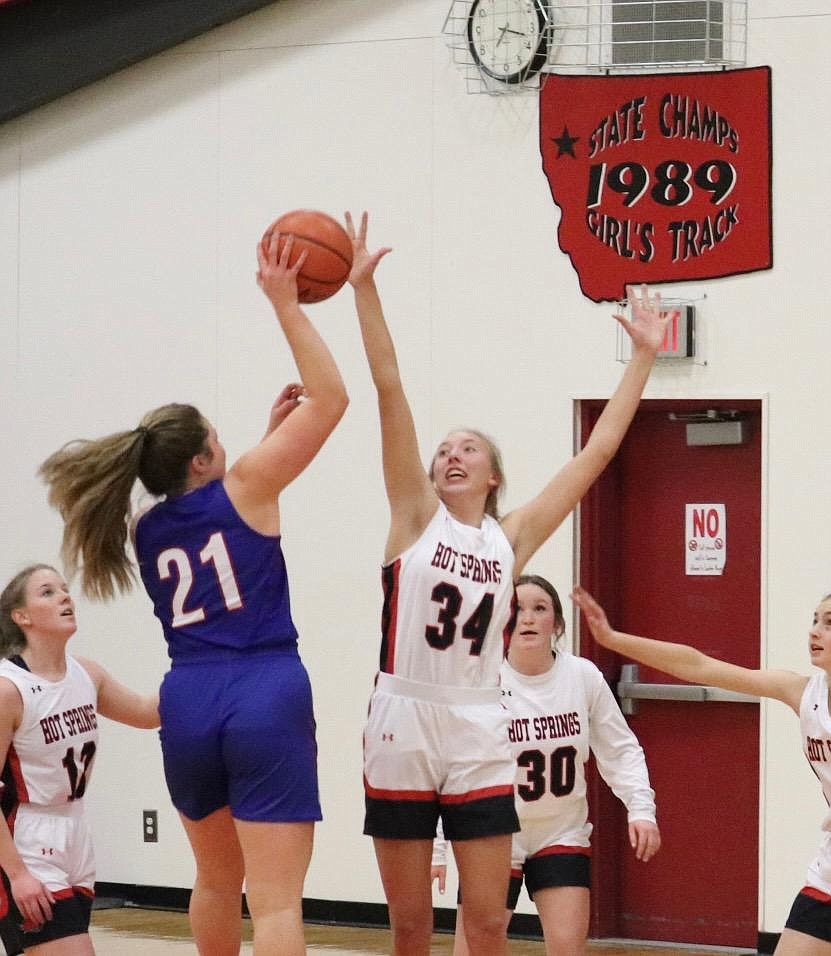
pixel 51 47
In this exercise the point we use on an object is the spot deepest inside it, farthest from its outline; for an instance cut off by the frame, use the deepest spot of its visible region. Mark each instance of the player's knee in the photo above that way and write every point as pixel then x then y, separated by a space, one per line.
pixel 219 881
pixel 565 944
pixel 483 930
pixel 412 930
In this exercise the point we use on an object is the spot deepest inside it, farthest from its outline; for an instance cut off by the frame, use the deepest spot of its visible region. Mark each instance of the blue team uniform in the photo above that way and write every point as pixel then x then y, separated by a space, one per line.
pixel 237 723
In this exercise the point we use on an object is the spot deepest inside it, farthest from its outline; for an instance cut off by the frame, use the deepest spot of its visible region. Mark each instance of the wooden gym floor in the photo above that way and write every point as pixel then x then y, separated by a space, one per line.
pixel 129 931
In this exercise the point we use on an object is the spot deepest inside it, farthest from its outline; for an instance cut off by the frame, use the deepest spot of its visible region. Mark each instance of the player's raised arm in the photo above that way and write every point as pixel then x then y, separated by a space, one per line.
pixel 261 473
pixel 530 525
pixel 688 663
pixel 409 491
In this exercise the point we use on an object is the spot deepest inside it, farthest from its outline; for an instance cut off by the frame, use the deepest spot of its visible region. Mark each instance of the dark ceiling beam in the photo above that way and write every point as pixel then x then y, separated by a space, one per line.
pixel 51 47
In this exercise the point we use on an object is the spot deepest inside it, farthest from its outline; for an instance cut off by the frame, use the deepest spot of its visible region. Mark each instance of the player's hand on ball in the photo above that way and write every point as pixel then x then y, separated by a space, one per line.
pixel 275 276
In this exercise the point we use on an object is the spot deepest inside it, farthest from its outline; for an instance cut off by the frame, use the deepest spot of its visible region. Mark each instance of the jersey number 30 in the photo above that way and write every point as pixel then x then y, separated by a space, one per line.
pixel 560 780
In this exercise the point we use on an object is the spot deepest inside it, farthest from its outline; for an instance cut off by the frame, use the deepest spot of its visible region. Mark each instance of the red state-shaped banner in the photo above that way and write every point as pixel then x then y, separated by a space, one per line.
pixel 659 177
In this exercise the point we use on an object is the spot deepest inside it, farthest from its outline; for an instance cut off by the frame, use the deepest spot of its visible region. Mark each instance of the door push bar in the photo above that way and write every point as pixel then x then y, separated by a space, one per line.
pixel 630 690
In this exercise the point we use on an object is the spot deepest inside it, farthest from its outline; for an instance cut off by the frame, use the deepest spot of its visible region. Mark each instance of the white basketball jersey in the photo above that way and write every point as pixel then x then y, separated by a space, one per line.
pixel 815 724
pixel 447 604
pixel 50 758
pixel 555 719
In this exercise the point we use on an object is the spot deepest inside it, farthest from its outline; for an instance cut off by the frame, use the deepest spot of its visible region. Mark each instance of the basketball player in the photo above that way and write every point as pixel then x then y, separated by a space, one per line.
pixel 238 731
pixel 808 928
pixel 49 707
pixel 436 741
pixel 559 708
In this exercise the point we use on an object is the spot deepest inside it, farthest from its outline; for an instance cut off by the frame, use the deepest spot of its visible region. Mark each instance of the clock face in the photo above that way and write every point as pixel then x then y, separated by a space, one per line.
pixel 507 38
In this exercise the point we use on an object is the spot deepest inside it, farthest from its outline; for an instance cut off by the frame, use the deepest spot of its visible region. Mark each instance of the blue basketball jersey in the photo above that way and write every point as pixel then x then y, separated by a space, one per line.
pixel 217 586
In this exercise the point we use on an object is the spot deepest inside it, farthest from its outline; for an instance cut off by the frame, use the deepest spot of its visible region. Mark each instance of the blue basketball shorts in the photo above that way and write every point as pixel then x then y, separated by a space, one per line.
pixel 241 733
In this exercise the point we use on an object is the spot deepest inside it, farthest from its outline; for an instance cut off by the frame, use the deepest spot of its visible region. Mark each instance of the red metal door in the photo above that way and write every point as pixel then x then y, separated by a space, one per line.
pixel 703 757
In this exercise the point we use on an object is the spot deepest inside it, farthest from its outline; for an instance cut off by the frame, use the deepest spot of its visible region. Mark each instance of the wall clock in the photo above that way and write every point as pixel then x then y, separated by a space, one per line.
pixel 508 39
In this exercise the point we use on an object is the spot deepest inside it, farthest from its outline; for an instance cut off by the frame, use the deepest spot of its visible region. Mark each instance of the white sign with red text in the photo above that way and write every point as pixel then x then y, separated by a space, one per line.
pixel 706 539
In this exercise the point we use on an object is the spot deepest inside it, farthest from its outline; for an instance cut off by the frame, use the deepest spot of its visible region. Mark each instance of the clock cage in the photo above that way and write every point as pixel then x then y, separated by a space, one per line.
pixel 617 36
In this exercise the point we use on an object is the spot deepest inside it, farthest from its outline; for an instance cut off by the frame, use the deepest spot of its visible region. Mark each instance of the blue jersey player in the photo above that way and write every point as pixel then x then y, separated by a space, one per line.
pixel 237 729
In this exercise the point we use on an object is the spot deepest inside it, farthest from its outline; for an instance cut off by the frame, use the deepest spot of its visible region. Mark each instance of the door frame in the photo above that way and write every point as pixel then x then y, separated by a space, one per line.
pixel 604 901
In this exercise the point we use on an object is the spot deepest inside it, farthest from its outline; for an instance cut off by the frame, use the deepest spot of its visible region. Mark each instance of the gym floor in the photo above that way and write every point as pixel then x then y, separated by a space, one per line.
pixel 129 931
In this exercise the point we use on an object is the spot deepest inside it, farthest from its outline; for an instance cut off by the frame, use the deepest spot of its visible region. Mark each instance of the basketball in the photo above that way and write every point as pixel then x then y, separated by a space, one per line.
pixel 329 251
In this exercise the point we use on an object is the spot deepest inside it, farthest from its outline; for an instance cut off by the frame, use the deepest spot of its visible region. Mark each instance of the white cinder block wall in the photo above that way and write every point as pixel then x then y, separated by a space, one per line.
pixel 129 213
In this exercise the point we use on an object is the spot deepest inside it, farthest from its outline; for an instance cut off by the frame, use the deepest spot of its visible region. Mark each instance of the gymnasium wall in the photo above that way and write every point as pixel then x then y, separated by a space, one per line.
pixel 129 213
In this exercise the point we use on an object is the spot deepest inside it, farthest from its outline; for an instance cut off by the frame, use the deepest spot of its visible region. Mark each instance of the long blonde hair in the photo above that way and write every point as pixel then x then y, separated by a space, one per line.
pixel 90 483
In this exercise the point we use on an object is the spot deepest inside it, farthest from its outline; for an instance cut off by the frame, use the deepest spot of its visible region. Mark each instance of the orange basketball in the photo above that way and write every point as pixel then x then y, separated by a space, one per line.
pixel 329 251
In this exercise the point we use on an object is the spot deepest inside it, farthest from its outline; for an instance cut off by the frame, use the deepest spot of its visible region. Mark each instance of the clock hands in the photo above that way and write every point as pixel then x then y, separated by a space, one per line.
pixel 507 29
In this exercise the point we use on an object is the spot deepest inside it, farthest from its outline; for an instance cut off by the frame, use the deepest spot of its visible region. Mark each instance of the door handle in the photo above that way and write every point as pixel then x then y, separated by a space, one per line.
pixel 630 690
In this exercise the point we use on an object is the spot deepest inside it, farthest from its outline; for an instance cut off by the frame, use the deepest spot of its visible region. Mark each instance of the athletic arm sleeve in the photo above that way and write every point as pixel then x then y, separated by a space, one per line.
pixel 620 758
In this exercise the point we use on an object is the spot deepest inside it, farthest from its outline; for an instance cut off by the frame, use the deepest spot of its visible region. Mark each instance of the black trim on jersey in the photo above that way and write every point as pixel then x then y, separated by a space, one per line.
pixel 388 581
pixel 9 798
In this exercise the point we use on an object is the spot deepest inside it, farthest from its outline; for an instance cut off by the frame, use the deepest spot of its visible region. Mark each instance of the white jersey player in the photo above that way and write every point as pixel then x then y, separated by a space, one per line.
pixel 560 709
pixel 49 707
pixel 433 748
pixel 808 928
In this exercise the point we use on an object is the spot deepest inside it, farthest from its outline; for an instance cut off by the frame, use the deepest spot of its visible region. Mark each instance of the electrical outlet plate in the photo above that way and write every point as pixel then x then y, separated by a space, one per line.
pixel 150 825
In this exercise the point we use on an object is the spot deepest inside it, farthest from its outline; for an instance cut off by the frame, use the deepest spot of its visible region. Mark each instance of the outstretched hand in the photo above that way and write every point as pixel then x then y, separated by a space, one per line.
pixel 594 614
pixel 285 403
pixel 649 322
pixel 275 276
pixel 363 261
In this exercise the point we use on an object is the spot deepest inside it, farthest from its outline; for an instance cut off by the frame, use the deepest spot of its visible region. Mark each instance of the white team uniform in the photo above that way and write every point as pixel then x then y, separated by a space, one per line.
pixel 448 604
pixel 436 724
pixel 815 725
pixel 555 720
pixel 46 773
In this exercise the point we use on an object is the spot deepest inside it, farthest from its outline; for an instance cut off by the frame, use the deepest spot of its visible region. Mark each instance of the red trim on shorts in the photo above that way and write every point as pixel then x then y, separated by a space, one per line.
pixel 376 794
pixel 557 848
pixel 815 894
pixel 65 894
pixel 483 794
